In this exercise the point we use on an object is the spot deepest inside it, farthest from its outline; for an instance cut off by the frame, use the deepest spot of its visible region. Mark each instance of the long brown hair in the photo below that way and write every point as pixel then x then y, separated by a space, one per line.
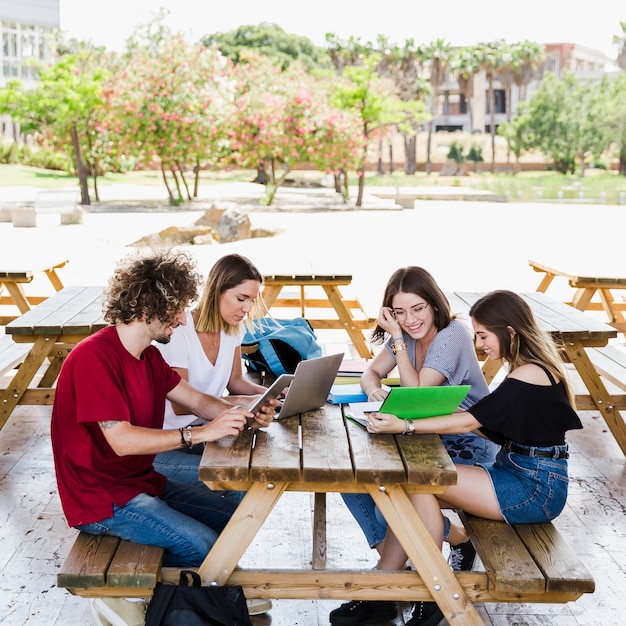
pixel 416 280
pixel 228 272
pixel 500 310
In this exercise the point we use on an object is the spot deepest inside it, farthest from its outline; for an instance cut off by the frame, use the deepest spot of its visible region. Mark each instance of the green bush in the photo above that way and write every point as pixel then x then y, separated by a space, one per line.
pixel 456 152
pixel 49 160
pixel 9 153
pixel 475 154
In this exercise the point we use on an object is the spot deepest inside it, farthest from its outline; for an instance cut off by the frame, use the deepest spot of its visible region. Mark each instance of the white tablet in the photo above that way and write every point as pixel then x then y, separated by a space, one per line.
pixel 273 391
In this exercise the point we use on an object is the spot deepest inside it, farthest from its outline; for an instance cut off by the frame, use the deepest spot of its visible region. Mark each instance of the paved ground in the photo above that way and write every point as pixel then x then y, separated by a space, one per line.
pixel 472 244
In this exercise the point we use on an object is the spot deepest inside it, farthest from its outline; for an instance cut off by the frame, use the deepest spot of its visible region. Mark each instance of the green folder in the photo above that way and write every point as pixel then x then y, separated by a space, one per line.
pixel 416 402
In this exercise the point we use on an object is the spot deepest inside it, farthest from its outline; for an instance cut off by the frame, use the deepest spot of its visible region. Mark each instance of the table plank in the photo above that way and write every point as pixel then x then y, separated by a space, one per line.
pixel 375 457
pixel 276 456
pixel 323 449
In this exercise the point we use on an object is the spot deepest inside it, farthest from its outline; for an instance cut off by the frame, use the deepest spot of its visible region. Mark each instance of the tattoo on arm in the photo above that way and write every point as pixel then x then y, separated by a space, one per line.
pixel 109 424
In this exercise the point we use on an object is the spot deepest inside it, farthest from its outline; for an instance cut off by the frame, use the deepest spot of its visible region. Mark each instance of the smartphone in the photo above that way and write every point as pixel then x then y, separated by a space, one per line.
pixel 273 391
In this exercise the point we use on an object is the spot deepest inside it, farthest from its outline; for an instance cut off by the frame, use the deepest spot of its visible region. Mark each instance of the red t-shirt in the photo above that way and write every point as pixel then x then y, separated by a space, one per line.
pixel 101 381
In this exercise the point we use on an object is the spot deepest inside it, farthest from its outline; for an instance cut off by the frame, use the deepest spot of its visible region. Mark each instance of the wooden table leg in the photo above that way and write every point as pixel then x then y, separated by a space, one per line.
pixel 243 526
pixel 601 397
pixel 545 282
pixel 347 321
pixel 582 297
pixel 318 559
pixel 25 374
pixel 270 293
pixel 491 368
pixel 18 296
pixel 425 555
pixel 53 277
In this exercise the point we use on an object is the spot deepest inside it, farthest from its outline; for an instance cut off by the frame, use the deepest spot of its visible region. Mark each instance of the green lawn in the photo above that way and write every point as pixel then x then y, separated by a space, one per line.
pixel 11 175
pixel 596 186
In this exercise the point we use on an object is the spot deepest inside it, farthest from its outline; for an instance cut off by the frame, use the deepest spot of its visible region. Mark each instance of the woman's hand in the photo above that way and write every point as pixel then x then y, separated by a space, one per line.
pixel 384 423
pixel 377 395
pixel 387 321
pixel 265 416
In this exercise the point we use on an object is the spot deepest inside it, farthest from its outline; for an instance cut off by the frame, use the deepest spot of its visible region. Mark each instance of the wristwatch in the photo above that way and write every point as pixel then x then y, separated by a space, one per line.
pixel 398 347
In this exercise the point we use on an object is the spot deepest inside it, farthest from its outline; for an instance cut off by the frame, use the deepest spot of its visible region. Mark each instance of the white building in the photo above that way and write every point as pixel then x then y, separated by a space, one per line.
pixel 27 29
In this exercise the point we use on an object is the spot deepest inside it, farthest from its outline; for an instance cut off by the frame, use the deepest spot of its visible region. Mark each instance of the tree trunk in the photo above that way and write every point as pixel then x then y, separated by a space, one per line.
pixel 96 193
pixel 359 197
pixel 390 158
pixel 196 180
pixel 410 152
pixel 170 195
pixel 428 144
pixel 273 187
pixel 81 168
pixel 337 178
pixel 178 189
pixel 622 160
pixel 182 176
pixel 492 116
pixel 380 156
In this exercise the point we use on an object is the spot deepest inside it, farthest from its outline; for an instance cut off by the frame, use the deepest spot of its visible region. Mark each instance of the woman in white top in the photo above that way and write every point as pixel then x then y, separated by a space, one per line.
pixel 206 351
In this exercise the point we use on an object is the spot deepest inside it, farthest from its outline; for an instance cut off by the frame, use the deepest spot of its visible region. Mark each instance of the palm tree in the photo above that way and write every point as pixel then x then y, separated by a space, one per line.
pixel 402 66
pixel 439 53
pixel 466 65
pixel 529 55
pixel 491 60
pixel 620 41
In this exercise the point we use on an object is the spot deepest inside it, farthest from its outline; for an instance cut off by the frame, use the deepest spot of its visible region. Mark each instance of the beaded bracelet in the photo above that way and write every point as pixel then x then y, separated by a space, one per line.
pixel 185 443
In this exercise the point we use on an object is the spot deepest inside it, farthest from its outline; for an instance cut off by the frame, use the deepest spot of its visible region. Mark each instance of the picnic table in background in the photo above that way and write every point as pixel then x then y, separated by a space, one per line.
pixel 51 329
pixel 328 297
pixel 587 286
pixel 14 275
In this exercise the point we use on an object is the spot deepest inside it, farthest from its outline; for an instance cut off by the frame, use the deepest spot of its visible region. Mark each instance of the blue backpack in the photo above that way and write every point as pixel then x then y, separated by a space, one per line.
pixel 282 344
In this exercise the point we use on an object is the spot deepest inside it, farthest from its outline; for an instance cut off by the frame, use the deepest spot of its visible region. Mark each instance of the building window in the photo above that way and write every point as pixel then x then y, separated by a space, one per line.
pixel 499 97
pixel 20 43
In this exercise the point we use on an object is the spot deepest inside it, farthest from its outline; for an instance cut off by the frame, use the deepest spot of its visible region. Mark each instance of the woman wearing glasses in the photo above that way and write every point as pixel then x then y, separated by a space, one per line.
pixel 430 347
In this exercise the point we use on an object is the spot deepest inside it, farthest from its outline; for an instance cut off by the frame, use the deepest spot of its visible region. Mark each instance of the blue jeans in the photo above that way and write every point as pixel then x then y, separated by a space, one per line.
pixel 186 521
pixel 466 449
pixel 182 465
pixel 530 489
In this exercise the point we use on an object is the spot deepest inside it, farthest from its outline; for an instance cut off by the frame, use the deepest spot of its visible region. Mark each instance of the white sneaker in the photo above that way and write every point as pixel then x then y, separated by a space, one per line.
pixel 256 606
pixel 118 611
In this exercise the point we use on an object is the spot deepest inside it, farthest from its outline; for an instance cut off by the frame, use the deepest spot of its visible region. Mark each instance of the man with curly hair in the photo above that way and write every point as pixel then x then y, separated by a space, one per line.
pixel 108 414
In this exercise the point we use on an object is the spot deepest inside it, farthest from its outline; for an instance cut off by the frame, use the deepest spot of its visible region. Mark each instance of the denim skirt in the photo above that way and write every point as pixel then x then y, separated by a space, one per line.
pixel 529 489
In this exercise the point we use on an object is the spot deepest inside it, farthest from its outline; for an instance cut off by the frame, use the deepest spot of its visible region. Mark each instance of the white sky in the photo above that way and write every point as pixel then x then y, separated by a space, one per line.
pixel 459 22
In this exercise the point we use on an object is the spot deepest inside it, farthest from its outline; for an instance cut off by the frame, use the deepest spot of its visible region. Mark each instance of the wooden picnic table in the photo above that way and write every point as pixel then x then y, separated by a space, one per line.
pixel 320 452
pixel 331 298
pixel 53 328
pixel 575 332
pixel 587 287
pixel 14 276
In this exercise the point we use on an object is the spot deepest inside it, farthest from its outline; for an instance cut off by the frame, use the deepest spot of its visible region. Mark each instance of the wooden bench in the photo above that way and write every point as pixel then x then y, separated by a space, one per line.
pixel 525 563
pixel 11 354
pixel 101 566
pixel 609 362
pixel 62 201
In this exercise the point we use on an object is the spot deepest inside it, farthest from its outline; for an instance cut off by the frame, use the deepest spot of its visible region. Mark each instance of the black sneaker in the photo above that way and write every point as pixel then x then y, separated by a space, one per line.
pixel 363 612
pixel 461 558
pixel 425 614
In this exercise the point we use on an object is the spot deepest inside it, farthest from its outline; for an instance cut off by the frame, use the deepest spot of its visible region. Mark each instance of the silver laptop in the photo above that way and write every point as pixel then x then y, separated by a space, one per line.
pixel 312 381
